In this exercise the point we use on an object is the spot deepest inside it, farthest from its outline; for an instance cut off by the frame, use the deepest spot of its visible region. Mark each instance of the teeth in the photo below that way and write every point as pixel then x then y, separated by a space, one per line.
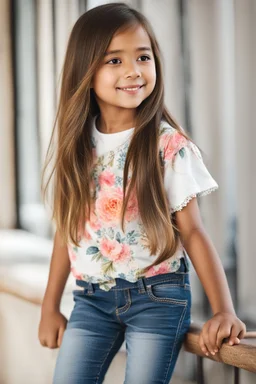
pixel 130 89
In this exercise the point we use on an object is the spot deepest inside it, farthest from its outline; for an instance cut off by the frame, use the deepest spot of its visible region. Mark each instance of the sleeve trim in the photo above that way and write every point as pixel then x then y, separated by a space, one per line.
pixel 190 197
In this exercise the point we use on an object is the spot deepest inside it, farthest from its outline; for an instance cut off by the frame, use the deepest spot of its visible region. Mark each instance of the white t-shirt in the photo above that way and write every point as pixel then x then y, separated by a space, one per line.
pixel 105 252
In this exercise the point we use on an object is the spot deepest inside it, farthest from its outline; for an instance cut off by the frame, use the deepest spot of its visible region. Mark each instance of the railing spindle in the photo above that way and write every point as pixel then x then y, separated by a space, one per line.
pixel 200 370
pixel 236 375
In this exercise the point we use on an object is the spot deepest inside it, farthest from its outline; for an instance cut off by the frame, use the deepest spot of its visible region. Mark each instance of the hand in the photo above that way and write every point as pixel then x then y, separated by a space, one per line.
pixel 51 329
pixel 222 325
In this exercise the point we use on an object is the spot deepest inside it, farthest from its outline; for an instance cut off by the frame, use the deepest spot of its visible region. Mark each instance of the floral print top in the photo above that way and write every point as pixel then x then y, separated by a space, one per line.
pixel 105 252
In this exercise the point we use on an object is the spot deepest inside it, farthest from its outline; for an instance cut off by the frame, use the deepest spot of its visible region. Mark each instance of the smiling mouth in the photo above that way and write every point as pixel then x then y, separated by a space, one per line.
pixel 131 88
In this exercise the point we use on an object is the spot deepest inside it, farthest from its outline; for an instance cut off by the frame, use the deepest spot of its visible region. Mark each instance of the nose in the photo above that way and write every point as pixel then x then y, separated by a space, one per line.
pixel 132 71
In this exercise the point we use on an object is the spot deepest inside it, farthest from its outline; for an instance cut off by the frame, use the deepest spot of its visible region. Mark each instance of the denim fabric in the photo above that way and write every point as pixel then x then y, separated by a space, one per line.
pixel 152 316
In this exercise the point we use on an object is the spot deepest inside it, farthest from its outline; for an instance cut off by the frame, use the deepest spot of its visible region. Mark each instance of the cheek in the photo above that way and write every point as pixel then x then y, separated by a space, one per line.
pixel 103 79
pixel 151 78
pixel 152 74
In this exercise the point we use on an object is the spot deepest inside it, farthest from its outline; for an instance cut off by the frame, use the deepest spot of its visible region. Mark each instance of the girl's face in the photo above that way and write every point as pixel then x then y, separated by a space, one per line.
pixel 127 75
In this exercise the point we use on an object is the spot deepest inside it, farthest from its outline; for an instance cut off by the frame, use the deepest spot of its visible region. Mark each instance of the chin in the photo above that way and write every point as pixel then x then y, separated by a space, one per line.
pixel 133 104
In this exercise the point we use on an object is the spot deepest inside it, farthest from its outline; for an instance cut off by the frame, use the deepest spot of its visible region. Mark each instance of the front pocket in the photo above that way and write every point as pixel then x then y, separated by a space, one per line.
pixel 177 294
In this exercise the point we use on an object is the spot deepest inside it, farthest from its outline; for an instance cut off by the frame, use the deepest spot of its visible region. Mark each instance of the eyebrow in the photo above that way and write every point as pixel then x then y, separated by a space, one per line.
pixel 121 50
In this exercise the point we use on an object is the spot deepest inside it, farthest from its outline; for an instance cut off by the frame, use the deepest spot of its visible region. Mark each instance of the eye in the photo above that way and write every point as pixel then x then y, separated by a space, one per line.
pixel 114 61
pixel 144 58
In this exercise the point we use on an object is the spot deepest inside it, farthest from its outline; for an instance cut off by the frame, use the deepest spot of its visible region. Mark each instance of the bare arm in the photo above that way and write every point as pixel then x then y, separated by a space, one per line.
pixel 58 275
pixel 210 271
pixel 204 257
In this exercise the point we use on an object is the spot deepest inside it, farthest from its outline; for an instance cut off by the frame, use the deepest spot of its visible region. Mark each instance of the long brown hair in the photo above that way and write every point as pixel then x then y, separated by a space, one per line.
pixel 89 40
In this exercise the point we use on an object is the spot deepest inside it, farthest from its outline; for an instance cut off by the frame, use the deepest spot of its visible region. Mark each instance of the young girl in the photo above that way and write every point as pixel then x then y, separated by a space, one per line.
pixel 126 183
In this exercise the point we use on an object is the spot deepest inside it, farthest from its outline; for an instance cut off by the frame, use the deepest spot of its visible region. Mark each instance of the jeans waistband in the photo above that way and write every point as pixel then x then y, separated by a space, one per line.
pixel 180 276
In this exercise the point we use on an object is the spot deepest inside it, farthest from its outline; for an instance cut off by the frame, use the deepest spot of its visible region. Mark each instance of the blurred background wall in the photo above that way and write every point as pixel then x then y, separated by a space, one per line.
pixel 210 84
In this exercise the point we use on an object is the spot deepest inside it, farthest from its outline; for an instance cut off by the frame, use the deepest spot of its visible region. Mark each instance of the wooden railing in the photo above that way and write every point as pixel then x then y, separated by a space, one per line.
pixel 241 356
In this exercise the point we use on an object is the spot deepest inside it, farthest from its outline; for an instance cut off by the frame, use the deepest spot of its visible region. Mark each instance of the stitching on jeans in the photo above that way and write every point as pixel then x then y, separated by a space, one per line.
pixel 165 300
pixel 175 341
pixel 168 285
pixel 120 321
pixel 157 282
pixel 126 305
pixel 178 278
pixel 164 281
pixel 97 378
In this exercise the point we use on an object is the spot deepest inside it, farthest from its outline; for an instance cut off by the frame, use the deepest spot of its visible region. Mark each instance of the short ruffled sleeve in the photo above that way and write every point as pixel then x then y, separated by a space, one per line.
pixel 186 175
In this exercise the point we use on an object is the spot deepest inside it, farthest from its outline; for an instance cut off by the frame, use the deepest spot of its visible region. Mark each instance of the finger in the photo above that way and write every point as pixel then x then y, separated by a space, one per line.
pixel 206 338
pixel 233 335
pixel 60 336
pixel 212 336
pixel 242 333
pixel 43 343
pixel 203 340
pixel 52 342
pixel 223 333
pixel 203 346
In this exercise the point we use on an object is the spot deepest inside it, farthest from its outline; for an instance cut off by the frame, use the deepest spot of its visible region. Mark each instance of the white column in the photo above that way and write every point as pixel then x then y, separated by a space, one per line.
pixel 26 116
pixel 46 77
pixel 7 164
pixel 212 109
pixel 211 97
pixel 66 14
pixel 46 88
pixel 165 20
pixel 245 12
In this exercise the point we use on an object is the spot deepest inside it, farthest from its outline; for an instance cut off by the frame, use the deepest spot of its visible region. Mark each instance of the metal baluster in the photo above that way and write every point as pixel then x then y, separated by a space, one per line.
pixel 200 371
pixel 236 375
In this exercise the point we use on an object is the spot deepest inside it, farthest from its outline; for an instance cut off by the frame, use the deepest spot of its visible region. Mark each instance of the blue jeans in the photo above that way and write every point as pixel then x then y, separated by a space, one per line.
pixel 152 316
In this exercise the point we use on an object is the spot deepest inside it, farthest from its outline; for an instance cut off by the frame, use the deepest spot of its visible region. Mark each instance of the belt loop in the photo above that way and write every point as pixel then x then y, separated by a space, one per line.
pixel 90 290
pixel 142 285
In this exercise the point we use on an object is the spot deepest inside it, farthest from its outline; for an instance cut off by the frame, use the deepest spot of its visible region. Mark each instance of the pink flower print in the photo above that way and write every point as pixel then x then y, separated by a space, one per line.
pixel 110 248
pixel 94 222
pixel 126 252
pixel 82 233
pixel 106 178
pixel 114 251
pixel 132 209
pixel 172 144
pixel 77 275
pixel 164 268
pixel 109 205
pixel 158 269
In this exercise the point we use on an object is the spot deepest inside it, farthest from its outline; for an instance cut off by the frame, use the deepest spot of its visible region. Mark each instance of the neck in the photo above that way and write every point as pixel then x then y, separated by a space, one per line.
pixel 111 123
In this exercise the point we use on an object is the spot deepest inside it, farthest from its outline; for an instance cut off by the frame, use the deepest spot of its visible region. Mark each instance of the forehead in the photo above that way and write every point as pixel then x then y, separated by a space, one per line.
pixel 132 37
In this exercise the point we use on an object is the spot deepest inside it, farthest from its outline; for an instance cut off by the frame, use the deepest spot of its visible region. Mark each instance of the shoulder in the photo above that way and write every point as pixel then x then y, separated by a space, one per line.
pixel 165 128
pixel 171 140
